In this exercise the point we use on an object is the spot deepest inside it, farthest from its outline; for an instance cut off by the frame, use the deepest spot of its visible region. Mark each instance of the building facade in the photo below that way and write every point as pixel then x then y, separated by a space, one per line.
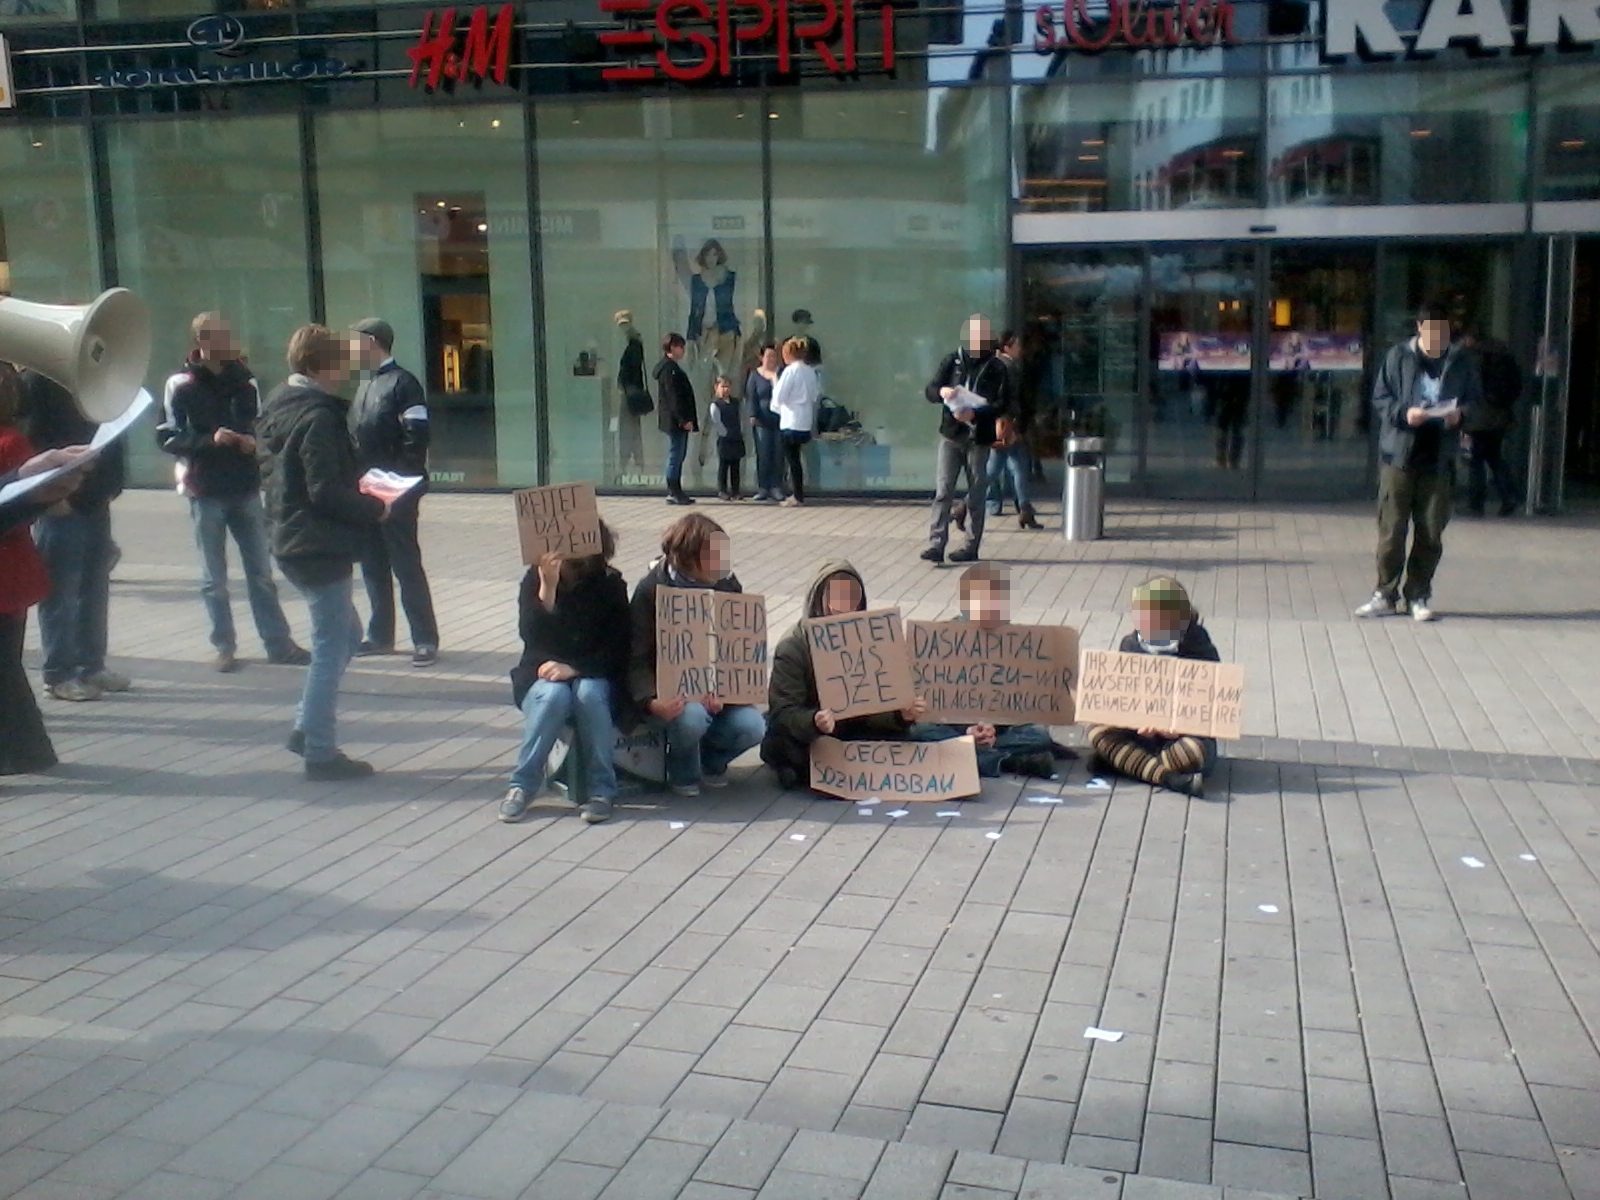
pixel 1209 216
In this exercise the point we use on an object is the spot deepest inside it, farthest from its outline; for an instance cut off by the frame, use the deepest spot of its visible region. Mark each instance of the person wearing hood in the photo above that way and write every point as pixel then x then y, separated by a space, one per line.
pixel 795 716
pixel 703 736
pixel 1165 622
pixel 320 522
pixel 676 413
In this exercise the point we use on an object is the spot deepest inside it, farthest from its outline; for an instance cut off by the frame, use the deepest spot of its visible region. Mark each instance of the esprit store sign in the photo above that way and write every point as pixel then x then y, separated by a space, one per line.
pixel 1093 25
pixel 1352 24
pixel 686 40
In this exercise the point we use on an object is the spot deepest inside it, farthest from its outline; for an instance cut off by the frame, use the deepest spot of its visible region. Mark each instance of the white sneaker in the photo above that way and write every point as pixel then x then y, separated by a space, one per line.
pixel 75 690
pixel 686 789
pixel 715 781
pixel 1421 610
pixel 1379 606
pixel 109 681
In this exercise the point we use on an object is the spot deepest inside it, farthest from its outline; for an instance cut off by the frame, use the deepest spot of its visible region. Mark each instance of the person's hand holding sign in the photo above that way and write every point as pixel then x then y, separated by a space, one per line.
pixel 982 734
pixel 666 710
pixel 549 578
pixel 712 704
pixel 915 712
pixel 824 720
pixel 556 672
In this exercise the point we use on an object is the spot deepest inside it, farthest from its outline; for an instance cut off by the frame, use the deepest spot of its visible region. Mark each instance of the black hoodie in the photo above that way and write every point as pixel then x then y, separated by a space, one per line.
pixel 675 403
pixel 200 400
pixel 587 630
pixel 319 518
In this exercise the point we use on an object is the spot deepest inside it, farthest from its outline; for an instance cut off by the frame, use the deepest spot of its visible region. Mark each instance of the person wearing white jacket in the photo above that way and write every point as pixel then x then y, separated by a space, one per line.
pixel 794 399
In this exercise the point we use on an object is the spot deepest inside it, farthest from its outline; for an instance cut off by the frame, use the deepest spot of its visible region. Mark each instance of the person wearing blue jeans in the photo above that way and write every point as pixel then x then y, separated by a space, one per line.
pixel 758 389
pixel 548 707
pixel 1010 464
pixel 320 523
pixel 245 519
pixel 677 414
pixel 703 735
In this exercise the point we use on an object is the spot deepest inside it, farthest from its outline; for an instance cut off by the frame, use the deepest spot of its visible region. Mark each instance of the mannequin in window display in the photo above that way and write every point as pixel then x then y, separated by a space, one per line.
pixel 633 397
pixel 713 326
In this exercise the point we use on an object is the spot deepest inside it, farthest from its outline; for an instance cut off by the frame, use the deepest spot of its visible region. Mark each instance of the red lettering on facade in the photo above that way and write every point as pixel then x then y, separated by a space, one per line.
pixel 486 55
pixel 1131 24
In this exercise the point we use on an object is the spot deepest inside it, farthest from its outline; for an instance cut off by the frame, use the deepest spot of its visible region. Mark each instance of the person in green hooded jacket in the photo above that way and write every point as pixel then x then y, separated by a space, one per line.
pixel 795 716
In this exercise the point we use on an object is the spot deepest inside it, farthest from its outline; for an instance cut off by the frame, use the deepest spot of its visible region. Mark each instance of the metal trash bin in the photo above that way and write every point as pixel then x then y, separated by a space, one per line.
pixel 1083 493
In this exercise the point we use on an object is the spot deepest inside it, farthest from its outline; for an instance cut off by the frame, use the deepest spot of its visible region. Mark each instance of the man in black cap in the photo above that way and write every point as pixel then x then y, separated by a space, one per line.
pixel 389 421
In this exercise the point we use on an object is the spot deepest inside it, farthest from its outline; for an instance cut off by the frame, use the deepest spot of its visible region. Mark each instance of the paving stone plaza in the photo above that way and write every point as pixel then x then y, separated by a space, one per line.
pixel 218 980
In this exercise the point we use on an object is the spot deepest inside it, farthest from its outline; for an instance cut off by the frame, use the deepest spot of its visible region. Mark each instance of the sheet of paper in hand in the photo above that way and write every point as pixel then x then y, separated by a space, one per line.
pixel 1178 695
pixel 711 643
pixel 861 662
pixel 563 518
pixel 964 398
pixel 1001 674
pixel 387 485
pixel 895 771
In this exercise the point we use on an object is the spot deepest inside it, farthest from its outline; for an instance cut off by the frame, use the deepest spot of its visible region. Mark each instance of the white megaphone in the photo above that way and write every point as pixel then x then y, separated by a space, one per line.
pixel 97 351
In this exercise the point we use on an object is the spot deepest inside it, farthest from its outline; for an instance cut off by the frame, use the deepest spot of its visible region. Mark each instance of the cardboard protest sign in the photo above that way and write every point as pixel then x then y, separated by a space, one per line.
pixel 711 643
pixel 564 519
pixel 895 770
pixel 1179 695
pixel 861 662
pixel 1001 674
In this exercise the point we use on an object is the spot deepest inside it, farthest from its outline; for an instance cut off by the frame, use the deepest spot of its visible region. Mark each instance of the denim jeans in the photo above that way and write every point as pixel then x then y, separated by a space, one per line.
pixel 769 460
pixel 335 634
pixel 76 549
pixel 585 704
pixel 244 517
pixel 677 453
pixel 947 469
pixel 701 744
pixel 394 556
pixel 1009 740
pixel 1008 476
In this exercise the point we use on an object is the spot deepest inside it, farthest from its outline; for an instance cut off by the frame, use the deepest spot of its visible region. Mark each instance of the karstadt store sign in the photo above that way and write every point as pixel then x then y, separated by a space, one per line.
pixel 1364 27
pixel 224 36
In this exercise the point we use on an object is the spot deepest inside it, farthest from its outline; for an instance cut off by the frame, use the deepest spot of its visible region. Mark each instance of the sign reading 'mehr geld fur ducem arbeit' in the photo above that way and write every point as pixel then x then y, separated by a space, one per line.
pixel 1356 26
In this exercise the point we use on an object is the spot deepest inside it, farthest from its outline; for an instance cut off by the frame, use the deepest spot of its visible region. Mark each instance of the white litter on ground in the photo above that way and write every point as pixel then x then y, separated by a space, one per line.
pixel 950 814
pixel 797 837
pixel 1044 799
pixel 1528 857
pixel 993 835
pixel 675 825
pixel 1103 1035
pixel 1098 785
pixel 1268 908
pixel 1470 861
pixel 900 812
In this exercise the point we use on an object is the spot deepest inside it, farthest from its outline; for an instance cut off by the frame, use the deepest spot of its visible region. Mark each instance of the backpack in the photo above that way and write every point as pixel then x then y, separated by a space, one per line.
pixel 833 417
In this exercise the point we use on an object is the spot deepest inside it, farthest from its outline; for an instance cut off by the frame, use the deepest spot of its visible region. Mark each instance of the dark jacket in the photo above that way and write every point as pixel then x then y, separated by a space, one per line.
pixel 1195 643
pixel 389 421
pixel 1500 380
pixel 199 401
pixel 1395 392
pixel 758 391
pixel 50 420
pixel 792 701
pixel 318 517
pixel 642 643
pixel 588 629
pixel 730 439
pixel 675 403
pixel 988 377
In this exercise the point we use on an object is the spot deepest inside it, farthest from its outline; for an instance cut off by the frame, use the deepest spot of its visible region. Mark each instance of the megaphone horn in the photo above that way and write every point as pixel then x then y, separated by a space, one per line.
pixel 97 351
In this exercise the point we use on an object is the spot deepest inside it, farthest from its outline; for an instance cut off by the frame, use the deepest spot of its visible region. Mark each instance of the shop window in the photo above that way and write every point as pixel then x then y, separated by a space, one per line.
pixel 46 239
pixel 1569 133
pixel 457 323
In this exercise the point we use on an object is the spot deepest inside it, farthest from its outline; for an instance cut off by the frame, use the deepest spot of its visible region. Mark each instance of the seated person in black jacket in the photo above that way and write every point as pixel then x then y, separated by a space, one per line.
pixel 573 615
pixel 1166 623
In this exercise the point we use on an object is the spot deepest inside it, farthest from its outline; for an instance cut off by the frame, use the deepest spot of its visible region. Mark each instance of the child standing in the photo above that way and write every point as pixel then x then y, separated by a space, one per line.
pixel 1165 623
pixel 725 427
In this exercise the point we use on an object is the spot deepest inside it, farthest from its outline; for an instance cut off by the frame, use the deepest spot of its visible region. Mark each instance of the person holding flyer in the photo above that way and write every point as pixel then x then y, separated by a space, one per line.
pixel 1422 389
pixel 971 388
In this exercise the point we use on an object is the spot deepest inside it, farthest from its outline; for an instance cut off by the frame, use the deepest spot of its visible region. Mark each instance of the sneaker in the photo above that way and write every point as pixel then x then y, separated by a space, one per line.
pixel 1038 763
pixel 686 789
pixel 714 781
pixel 1379 606
pixel 108 681
pixel 965 555
pixel 1186 785
pixel 1421 610
pixel 724 496
pixel 791 502
pixel 679 498
pixel 594 811
pixel 225 663
pixel 75 690
pixel 788 778
pixel 337 769
pixel 424 656
pixel 294 656
pixel 296 743
pixel 515 806
pixel 369 649
pixel 933 554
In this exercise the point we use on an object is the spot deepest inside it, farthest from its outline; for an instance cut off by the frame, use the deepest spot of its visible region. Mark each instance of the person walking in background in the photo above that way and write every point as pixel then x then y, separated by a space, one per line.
pixel 389 421
pixel 677 414
pixel 1486 425
pixel 74 539
pixel 1422 389
pixel 794 399
pixel 1009 465
pixel 320 523
pixel 209 412
pixel 758 388
pixel 972 389
pixel 729 432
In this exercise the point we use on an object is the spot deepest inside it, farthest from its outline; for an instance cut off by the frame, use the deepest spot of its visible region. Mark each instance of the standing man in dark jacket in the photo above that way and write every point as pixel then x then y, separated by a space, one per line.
pixel 74 539
pixel 1422 389
pixel 208 423
pixel 676 413
pixel 320 523
pixel 1486 425
pixel 389 421
pixel 965 434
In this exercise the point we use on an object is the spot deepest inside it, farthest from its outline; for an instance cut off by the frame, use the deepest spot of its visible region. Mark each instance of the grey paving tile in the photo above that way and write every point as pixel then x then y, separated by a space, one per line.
pixel 1045 1181
pixel 909 1172
pixel 1036 1129
pixel 745 1155
pixel 1261 1168
pixel 658 1170
pixel 569 1181
pixel 957 1128
pixel 612 1136
pixel 1176 1148
pixel 1104 1153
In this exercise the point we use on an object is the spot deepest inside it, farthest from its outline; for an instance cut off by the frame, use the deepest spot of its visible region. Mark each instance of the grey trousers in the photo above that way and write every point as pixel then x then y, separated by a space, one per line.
pixel 952 457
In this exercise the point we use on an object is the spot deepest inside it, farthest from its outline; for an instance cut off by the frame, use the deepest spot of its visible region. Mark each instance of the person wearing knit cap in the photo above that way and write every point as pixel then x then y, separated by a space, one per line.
pixel 1165 622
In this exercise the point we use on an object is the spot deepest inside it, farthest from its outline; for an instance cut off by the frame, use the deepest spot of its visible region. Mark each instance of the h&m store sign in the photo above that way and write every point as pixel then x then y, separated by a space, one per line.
pixel 1363 26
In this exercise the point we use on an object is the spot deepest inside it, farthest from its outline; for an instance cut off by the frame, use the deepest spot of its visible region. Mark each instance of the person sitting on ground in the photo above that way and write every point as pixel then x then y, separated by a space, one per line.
pixel 1165 623
pixel 795 716
pixel 703 736
pixel 573 616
